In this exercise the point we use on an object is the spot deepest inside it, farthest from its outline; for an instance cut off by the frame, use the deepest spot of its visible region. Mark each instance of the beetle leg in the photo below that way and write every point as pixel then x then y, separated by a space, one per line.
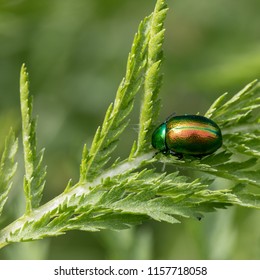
pixel 179 156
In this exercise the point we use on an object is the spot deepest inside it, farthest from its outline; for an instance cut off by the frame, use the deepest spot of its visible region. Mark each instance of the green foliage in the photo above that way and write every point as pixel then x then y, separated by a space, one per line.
pixel 150 103
pixel 142 67
pixel 7 168
pixel 131 190
pixel 34 178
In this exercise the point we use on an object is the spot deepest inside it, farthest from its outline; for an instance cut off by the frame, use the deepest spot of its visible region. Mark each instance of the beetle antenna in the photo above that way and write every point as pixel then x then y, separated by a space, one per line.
pixel 171 115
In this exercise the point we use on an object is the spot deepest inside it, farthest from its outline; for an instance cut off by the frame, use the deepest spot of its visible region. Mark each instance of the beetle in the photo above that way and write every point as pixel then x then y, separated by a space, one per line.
pixel 187 135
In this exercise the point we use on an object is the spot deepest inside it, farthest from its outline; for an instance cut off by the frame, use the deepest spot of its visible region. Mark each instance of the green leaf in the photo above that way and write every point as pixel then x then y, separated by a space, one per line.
pixel 241 105
pixel 116 118
pixel 153 79
pixel 7 168
pixel 34 178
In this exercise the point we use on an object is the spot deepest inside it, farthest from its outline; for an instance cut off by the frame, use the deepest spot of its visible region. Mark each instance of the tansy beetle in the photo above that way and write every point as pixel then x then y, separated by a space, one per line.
pixel 187 135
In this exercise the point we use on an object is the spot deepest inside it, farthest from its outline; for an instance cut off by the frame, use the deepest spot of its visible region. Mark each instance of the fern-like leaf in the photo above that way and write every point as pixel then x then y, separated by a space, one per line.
pixel 152 82
pixel 7 168
pixel 116 118
pixel 34 178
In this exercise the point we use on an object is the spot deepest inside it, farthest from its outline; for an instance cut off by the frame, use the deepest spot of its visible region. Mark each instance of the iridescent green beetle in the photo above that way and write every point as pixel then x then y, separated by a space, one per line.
pixel 187 135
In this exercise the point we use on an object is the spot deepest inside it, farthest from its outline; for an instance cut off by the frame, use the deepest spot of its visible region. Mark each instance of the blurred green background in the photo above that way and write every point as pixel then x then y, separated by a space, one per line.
pixel 76 54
